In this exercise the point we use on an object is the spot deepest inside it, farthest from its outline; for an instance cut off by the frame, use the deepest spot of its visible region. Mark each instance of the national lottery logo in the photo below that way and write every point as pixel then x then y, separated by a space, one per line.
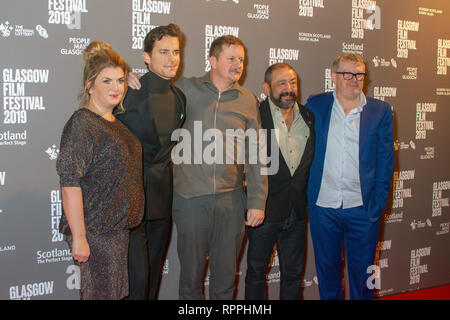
pixel 420 224
pixel 309 283
pixel 401 145
pixel 52 152
pixel 5 29
pixel 382 62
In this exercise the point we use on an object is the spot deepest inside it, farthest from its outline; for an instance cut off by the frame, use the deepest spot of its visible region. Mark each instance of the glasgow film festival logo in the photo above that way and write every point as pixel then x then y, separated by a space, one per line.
pixel 361 23
pixel 66 12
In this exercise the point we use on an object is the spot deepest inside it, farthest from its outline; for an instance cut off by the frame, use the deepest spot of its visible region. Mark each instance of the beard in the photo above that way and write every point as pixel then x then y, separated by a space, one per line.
pixel 285 104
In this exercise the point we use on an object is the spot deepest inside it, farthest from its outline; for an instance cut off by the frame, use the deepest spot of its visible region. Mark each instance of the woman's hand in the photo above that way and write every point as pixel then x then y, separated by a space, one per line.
pixel 80 249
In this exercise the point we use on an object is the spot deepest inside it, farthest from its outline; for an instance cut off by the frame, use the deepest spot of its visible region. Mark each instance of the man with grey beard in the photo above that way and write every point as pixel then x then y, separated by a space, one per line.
pixel 285 211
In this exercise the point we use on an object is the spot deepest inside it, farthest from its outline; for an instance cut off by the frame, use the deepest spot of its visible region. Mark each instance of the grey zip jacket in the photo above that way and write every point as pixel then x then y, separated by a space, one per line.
pixel 204 160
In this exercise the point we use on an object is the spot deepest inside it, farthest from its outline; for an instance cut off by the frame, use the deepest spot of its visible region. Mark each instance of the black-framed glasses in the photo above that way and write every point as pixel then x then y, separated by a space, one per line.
pixel 349 75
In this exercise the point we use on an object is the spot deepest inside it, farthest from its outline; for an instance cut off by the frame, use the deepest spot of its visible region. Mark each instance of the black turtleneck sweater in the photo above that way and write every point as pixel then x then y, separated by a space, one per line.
pixel 163 106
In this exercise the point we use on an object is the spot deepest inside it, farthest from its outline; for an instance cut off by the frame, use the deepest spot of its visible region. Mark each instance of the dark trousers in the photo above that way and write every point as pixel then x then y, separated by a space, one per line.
pixel 148 244
pixel 289 236
pixel 211 225
pixel 330 230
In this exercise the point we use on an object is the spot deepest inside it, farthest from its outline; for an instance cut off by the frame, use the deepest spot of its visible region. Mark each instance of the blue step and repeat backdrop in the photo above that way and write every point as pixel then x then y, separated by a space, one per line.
pixel 404 43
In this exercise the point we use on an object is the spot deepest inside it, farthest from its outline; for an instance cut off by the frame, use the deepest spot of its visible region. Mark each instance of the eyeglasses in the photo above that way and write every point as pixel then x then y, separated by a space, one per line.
pixel 349 75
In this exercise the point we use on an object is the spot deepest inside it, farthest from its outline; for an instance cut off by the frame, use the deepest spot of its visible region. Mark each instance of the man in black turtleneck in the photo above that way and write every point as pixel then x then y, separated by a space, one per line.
pixel 152 113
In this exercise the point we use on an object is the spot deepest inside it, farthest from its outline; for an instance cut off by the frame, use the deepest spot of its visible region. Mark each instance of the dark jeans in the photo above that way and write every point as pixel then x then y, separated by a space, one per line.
pixel 148 244
pixel 289 236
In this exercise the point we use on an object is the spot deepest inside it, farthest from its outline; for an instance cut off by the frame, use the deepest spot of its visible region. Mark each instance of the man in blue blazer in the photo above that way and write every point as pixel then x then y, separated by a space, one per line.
pixel 349 180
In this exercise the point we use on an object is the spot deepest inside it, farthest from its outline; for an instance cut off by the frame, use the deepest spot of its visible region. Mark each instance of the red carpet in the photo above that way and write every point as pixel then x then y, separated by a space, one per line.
pixel 436 293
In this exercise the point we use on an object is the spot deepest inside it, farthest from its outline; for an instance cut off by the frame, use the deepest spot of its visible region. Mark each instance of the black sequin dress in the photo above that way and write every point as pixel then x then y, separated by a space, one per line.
pixel 104 159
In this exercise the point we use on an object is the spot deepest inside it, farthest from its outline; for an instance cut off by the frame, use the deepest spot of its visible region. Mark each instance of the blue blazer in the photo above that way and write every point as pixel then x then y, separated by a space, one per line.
pixel 376 151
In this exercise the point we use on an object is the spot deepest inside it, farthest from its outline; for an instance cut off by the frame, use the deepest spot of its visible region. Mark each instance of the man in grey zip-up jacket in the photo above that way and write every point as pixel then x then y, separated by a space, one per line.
pixel 209 201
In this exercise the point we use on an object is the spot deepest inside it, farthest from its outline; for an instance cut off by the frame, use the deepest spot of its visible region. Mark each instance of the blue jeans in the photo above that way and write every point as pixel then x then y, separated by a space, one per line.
pixel 289 236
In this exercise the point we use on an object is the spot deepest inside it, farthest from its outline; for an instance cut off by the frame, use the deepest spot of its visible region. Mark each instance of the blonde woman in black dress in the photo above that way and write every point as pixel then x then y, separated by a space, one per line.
pixel 100 173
